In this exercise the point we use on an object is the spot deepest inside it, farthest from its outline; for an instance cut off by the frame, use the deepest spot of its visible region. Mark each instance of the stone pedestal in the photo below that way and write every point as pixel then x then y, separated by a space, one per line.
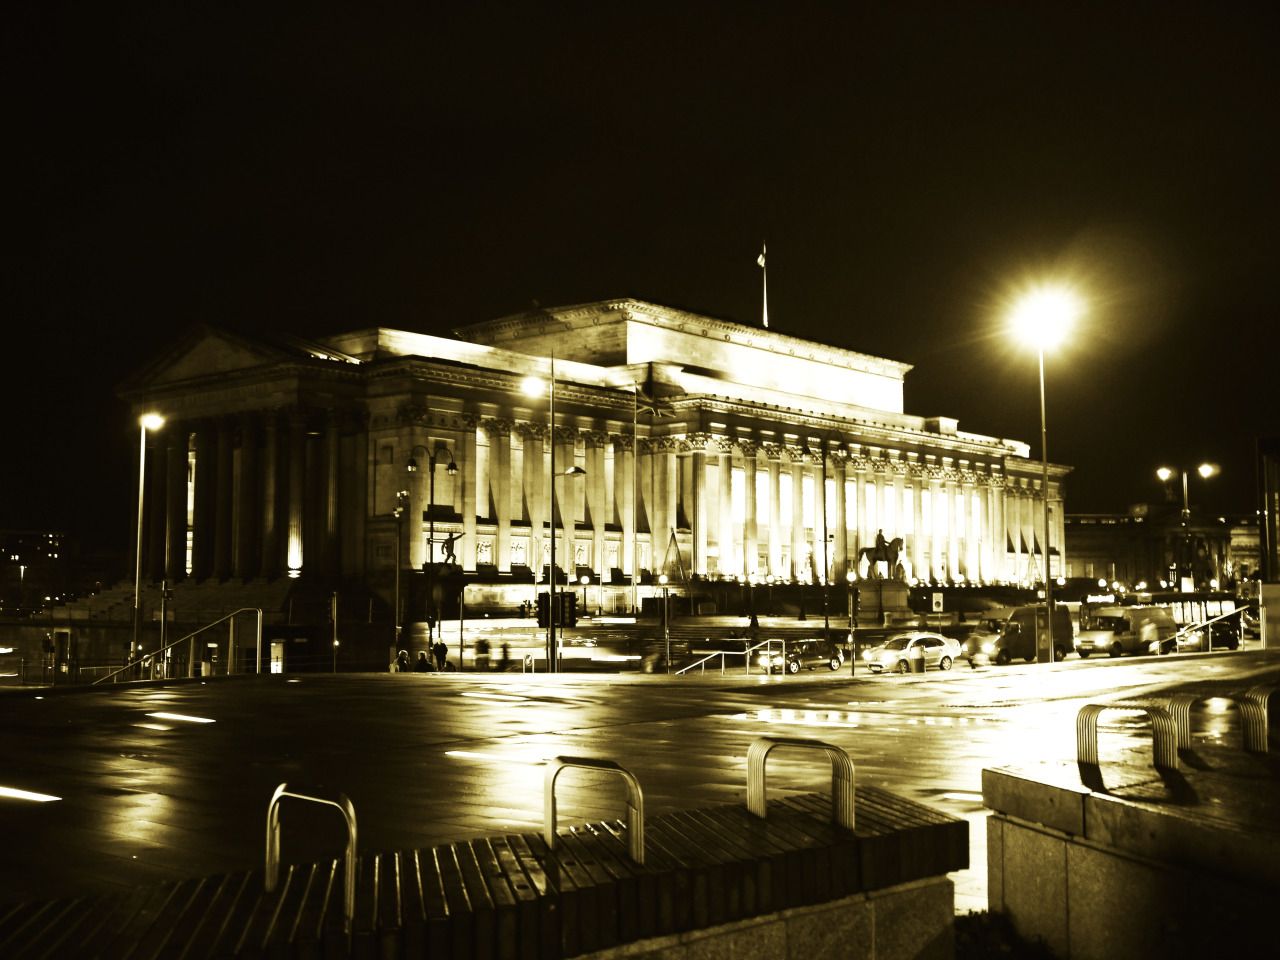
pixel 882 601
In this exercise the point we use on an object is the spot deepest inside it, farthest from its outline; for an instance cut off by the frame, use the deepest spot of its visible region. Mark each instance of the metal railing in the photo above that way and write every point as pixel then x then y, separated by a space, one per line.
pixel 842 794
pixel 702 664
pixel 151 661
pixel 271 873
pixel 635 801
pixel 1208 632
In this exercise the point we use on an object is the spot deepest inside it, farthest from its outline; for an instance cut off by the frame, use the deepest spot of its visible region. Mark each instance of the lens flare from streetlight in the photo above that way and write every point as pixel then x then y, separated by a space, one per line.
pixel 1164 473
pixel 1043 316
pixel 532 386
pixel 151 421
pixel 1207 470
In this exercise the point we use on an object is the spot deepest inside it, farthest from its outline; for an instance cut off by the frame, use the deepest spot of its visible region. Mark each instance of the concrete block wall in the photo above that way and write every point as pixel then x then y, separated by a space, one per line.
pixel 912 921
pixel 1086 900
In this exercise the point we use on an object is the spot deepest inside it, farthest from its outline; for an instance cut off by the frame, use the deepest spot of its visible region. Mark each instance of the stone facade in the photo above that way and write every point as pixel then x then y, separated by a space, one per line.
pixel 706 448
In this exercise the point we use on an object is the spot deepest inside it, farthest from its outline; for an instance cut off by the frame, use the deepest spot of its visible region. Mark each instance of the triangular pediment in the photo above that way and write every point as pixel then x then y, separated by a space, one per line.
pixel 209 352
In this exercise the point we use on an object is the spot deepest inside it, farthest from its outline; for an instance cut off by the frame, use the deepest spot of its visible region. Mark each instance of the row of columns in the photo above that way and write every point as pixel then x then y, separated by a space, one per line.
pixel 956 521
pixel 251 495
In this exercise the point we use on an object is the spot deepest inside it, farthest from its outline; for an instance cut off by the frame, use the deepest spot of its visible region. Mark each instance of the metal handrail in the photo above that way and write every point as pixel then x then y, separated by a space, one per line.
pixel 732 653
pixel 271 873
pixel 635 800
pixel 1253 714
pixel 1164 732
pixel 188 637
pixel 842 792
pixel 1203 625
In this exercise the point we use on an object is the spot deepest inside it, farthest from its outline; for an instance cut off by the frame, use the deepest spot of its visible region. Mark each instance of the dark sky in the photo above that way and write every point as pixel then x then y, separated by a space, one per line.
pixel 909 166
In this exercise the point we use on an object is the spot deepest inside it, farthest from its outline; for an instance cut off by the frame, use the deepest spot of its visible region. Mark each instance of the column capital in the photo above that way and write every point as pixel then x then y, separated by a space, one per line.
pixel 748 447
pixel 530 431
pixel 797 454
pixel 564 434
pixel 497 426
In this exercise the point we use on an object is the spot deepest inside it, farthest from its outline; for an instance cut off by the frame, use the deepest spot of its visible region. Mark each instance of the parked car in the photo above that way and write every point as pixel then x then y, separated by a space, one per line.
pixel 1119 630
pixel 896 652
pixel 798 654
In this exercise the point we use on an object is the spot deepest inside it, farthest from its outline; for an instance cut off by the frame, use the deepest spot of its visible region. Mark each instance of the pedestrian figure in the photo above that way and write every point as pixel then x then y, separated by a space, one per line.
pixel 506 655
pixel 423 665
pixel 440 651
pixel 482 654
pixel 402 661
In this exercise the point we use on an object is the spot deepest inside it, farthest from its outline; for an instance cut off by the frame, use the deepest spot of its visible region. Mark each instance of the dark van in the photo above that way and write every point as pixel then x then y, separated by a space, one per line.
pixel 1017 638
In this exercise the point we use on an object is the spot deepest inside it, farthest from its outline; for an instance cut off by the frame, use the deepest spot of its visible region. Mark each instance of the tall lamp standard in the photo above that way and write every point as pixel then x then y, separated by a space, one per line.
pixel 1042 318
pixel 532 387
pixel 148 421
pixel 666 618
pixel 411 466
pixel 1206 470
pixel 402 504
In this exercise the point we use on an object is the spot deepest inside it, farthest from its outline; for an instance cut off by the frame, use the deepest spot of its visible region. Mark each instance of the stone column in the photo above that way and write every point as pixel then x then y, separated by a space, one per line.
pixel 500 489
pixel 202 514
pixel 775 513
pixel 175 496
pixel 596 500
pixel 919 536
pixel 699 518
pixel 938 528
pixel 668 467
pixel 799 558
pixel 269 561
pixel 155 529
pixel 468 474
pixel 329 504
pixel 624 458
pixel 725 538
pixel 247 501
pixel 839 531
pixel 567 491
pixel 296 467
pixel 535 495
pixel 750 549
pixel 222 518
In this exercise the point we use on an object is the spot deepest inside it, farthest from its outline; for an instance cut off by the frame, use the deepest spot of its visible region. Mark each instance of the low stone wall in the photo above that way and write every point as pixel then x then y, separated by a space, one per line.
pixel 912 921
pixel 1143 862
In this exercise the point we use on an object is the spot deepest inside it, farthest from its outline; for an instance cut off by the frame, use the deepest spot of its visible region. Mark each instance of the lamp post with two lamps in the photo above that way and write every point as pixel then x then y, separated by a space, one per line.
pixel 411 466
pixel 148 421
pixel 1206 470
pixel 1041 319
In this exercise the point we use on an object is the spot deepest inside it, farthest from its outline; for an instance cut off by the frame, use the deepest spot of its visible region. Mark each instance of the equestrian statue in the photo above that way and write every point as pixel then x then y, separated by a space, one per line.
pixel 883 550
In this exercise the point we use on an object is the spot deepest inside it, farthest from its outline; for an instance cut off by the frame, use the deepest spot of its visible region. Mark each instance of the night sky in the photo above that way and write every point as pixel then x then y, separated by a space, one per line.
pixel 908 165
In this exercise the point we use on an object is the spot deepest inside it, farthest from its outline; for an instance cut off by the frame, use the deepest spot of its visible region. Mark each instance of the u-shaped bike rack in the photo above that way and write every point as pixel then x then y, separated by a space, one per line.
pixel 272 871
pixel 1253 714
pixel 841 776
pixel 1164 732
pixel 635 800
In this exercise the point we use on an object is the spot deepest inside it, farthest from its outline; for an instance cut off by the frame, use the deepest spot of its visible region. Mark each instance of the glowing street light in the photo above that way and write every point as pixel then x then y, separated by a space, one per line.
pixel 1042 318
pixel 148 421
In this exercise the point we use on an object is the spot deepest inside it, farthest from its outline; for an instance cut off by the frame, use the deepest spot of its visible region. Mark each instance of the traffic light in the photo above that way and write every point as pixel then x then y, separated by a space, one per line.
pixel 543 606
pixel 569 609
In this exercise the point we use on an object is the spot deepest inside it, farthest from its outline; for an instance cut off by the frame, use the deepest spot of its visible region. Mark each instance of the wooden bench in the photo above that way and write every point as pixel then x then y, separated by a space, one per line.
pixel 516 896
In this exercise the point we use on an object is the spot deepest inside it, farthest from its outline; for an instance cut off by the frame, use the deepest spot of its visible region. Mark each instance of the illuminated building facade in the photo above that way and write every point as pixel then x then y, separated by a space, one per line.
pixel 707 449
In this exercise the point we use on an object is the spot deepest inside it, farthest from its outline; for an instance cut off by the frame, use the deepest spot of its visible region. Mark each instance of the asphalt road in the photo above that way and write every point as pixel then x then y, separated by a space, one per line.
pixel 428 758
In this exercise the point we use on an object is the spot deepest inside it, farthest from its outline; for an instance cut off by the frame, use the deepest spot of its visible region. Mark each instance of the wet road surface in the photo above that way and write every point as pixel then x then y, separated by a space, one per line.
pixel 172 781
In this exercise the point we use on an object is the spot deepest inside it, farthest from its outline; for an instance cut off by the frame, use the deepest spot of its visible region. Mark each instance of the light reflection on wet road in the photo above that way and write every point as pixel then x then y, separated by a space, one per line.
pixel 149 791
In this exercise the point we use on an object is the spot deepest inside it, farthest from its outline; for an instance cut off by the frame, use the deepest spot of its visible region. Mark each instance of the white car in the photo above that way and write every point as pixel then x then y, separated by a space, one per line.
pixel 897 652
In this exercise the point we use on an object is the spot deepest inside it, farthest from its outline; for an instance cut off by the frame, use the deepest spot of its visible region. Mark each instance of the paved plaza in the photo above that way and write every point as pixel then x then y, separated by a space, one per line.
pixel 160 782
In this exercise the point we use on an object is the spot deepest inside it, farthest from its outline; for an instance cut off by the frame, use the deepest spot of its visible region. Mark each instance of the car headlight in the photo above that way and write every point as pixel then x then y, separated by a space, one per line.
pixel 868 654
pixel 989 647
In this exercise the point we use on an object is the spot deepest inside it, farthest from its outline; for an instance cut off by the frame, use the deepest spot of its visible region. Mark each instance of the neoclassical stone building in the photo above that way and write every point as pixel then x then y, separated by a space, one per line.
pixel 705 448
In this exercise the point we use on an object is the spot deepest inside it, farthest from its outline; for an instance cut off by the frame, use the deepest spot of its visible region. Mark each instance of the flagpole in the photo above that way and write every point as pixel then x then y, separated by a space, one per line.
pixel 764 281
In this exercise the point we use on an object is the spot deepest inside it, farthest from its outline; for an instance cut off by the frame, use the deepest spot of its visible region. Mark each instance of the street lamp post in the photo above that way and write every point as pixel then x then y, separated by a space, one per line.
pixel 452 468
pixel 402 500
pixel 1042 319
pixel 148 421
pixel 532 387
pixel 666 618
pixel 1206 470
pixel 849 596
